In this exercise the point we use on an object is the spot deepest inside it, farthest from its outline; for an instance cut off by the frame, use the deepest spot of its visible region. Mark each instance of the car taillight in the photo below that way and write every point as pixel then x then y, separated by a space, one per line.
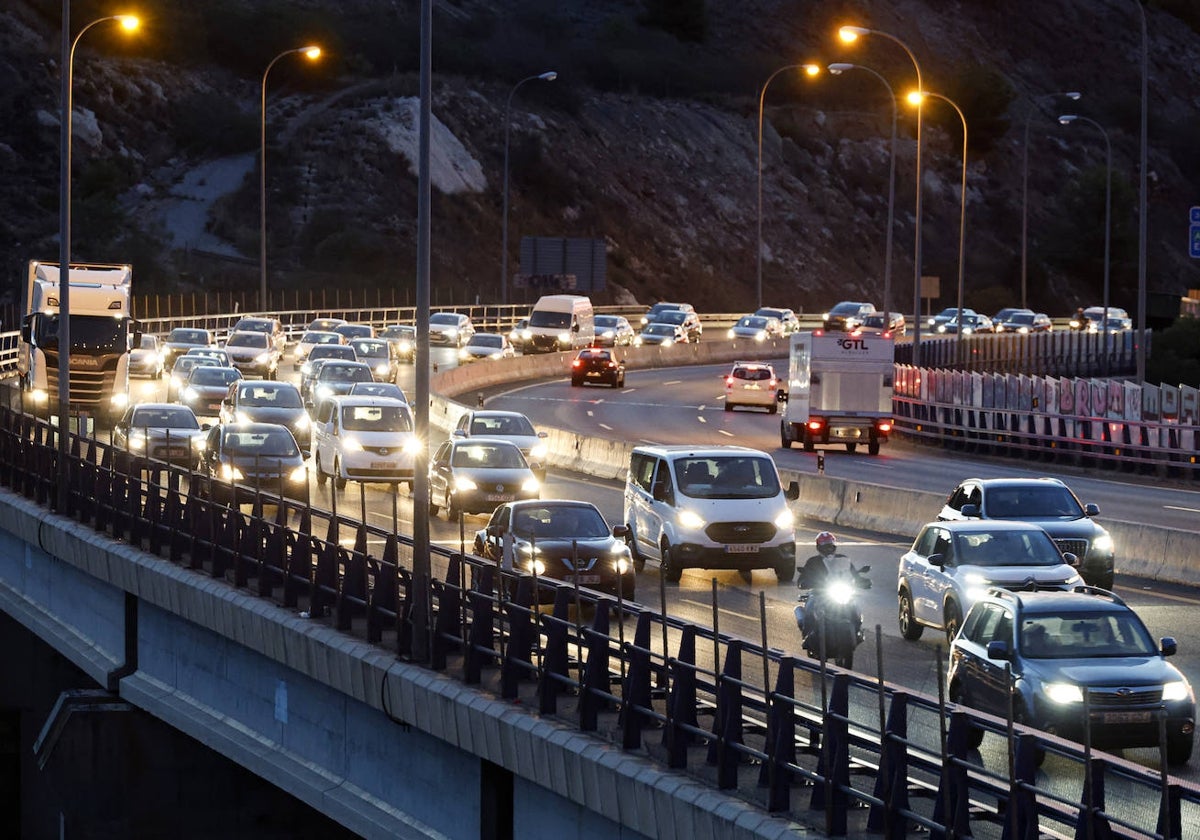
pixel 815 424
pixel 773 384
pixel 576 363
pixel 729 381
pixel 612 364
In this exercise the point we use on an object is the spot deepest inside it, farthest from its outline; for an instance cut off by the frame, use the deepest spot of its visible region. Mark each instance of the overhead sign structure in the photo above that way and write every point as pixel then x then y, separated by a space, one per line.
pixel 1194 233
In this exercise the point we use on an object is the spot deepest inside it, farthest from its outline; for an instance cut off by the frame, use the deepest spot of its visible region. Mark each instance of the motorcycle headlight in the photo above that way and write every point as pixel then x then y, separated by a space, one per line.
pixel 352 444
pixel 531 485
pixel 1064 693
pixel 1178 690
pixel 231 473
pixel 785 520
pixel 839 592
pixel 462 483
pixel 690 519
pixel 298 474
pixel 1103 544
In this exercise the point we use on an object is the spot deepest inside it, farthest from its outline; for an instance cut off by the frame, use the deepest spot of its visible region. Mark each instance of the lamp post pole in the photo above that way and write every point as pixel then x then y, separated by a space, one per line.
pixel 1074 96
pixel 962 222
pixel 838 69
pixel 811 69
pixel 67 64
pixel 548 76
pixel 1067 119
pixel 1142 164
pixel 849 34
pixel 312 53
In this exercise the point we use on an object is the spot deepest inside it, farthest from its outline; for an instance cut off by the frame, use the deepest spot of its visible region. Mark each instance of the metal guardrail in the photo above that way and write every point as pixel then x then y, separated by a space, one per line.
pixel 790 735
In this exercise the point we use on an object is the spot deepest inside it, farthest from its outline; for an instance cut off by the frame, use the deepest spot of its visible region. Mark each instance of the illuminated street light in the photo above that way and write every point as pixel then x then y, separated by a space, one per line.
pixel 312 53
pixel 1074 96
pixel 129 23
pixel 850 34
pixel 837 70
pixel 548 76
pixel 811 70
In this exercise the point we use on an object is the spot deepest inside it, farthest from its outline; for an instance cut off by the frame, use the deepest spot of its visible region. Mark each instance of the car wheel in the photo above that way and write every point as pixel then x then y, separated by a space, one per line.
pixel 846 662
pixel 670 573
pixel 1105 581
pixel 974 734
pixel 433 506
pixel 1179 751
pixel 575 383
pixel 728 405
pixel 321 474
pixel 639 559
pixel 338 481
pixel 909 628
pixel 785 570
pixel 952 620
pixel 452 511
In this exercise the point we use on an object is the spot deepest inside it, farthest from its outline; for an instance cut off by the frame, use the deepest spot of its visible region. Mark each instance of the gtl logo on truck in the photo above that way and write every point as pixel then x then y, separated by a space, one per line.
pixel 852 344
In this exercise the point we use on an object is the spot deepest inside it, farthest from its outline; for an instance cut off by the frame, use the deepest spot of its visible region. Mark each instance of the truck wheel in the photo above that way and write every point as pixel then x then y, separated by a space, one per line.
pixel 809 444
pixel 639 559
pixel 321 474
pixel 873 447
pixel 785 438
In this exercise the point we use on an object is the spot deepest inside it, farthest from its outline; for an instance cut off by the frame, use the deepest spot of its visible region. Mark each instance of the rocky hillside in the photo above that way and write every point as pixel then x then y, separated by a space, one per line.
pixel 646 140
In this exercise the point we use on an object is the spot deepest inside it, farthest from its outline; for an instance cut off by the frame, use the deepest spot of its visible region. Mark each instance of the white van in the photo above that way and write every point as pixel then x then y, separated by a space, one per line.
pixel 560 322
pixel 717 507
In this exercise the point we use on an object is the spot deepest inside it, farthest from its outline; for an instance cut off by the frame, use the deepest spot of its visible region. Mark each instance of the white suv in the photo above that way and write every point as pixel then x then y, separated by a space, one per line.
pixel 752 383
pixel 364 439
pixel 717 507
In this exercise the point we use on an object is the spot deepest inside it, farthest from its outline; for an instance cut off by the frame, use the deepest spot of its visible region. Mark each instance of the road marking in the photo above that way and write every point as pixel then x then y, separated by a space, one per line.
pixel 720 609
pixel 630 390
pixel 605 426
pixel 701 419
pixel 590 414
pixel 727 434
pixel 1184 509
pixel 673 382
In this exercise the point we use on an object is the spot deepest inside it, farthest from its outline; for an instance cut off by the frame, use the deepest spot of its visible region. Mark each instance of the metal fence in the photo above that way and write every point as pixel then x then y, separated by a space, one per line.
pixel 840 751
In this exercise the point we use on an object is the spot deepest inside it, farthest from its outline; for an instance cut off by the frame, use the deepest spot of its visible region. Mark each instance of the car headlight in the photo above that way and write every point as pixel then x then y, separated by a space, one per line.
pixel 242 417
pixel 263 358
pixel 231 473
pixel 621 565
pixel 1064 693
pixel 306 368
pixel 607 334
pixel 785 520
pixel 690 519
pixel 761 335
pixel 967 330
pixel 462 483
pixel 119 399
pixel 298 474
pixel 538 452
pixel 189 393
pixel 413 445
pixel 731 334
pixel 941 328
pixel 1021 330
pixel 137 440
pixel 1178 690
pixel 40 395
pixel 302 422
pixel 564 338
pixel 531 485
pixel 537 567
pixel 324 391
pixel 1103 544
pixel 667 342
pixel 383 368
pixel 463 354
pixel 452 333
pixel 351 444
pixel 406 346
pixel 825 317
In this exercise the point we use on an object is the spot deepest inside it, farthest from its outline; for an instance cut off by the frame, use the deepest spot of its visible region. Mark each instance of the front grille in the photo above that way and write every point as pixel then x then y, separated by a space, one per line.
pixel 1077 547
pixel 383 450
pixel 87 387
pixel 740 532
pixel 1120 697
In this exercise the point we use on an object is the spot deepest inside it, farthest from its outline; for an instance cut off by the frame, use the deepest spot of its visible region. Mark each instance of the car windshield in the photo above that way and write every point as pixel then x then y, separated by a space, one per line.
pixel 671 316
pixel 595 356
pixel 508 424
pixel 332 351
pixel 500 456
pixel 163 418
pixel 771 313
pixel 353 330
pixel 211 376
pixel 378 389
pixel 444 319
pixel 400 332
pixel 846 309
pixel 269 443
pixel 1021 318
pixel 873 321
pixel 269 395
pixel 660 329
pixel 253 326
pixel 185 363
pixel 727 477
pixel 754 374
pixel 320 338
pixel 324 324
pixel 376 418
pixel 1075 635
pixel 207 353
pixel 481 340
pixel 660 308
pixel 180 335
pixel 1048 502
pixel 247 339
pixel 606 322
pixel 372 347
pixel 549 318
pixel 752 322
pixel 148 342
pixel 559 522
pixel 1031 547
pixel 333 371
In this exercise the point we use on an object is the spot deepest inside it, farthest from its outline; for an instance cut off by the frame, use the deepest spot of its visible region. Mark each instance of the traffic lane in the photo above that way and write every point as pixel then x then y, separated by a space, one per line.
pixel 686 407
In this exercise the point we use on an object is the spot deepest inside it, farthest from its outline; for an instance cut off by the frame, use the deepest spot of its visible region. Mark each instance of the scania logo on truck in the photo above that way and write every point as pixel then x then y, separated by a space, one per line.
pixel 852 344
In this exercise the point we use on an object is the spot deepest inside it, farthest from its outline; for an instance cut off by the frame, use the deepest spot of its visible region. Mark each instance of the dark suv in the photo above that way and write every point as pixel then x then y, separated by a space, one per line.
pixel 1053 649
pixel 1046 502
pixel 847 315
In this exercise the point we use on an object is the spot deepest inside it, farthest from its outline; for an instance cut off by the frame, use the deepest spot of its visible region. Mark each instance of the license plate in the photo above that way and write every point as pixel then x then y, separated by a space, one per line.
pixel 846 433
pixel 383 465
pixel 499 497
pixel 742 549
pixel 583 580
pixel 595 373
pixel 1126 717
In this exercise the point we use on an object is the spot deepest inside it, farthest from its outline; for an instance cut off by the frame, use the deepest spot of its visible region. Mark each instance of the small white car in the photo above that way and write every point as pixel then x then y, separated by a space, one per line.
pixel 752 384
pixel 452 328
pixel 364 439
pixel 147 358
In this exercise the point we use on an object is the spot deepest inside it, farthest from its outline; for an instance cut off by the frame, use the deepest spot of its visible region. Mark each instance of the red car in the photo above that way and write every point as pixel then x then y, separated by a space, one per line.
pixel 595 364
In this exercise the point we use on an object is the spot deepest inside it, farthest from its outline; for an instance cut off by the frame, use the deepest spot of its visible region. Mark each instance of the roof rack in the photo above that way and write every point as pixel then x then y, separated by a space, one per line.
pixel 1084 589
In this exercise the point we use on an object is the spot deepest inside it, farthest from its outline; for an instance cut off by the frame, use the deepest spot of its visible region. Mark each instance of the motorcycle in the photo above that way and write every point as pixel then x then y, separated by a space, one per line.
pixel 829 617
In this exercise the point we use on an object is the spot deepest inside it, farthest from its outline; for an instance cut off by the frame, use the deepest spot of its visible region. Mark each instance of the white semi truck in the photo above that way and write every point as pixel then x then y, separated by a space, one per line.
pixel 102 333
pixel 839 390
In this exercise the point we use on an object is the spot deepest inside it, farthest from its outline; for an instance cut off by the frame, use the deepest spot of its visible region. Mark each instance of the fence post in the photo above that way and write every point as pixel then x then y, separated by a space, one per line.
pixel 681 700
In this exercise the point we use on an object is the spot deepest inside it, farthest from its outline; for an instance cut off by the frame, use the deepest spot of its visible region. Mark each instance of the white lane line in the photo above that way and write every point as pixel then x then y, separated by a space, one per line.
pixel 1184 509
pixel 727 434
pixel 605 426
pixel 630 390
pixel 701 419
pixel 590 413
pixel 719 609
pixel 673 382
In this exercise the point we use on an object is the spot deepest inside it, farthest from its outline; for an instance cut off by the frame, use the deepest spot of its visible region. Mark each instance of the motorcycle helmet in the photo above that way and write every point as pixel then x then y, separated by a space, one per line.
pixel 826 544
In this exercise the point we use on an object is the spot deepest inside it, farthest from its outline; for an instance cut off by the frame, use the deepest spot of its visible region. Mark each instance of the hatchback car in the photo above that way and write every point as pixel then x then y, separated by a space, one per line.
pixel 1024 323
pixel 363 439
pixel 182 339
pixel 452 328
pixel 686 320
pixel 353 331
pixel 753 384
pixel 1045 502
pixel 404 338
pixel 664 306
pixel 847 315
pixel 755 328
pixel 311 339
pixel 476 475
pixel 239 459
pixel 486 345
pixel 380 354
pixel 162 431
pixel 272 327
pixel 893 323
pixel 335 377
pixel 662 335
pixel 1049 651
pixel 325 324
pixel 206 387
pixel 788 322
pixel 258 401
pixel 952 564
pixel 378 389
pixel 598 365
pixel 508 425
pixel 612 331
pixel 253 354
pixel 560 540
pixel 182 369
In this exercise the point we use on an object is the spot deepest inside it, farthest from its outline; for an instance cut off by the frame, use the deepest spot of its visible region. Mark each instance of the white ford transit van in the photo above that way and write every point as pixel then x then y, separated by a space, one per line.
pixel 717 507
pixel 560 322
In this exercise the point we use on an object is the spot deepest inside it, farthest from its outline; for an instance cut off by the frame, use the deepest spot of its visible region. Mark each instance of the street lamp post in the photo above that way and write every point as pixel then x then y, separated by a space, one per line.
pixel 915 98
pixel 548 76
pixel 812 70
pixel 849 34
pixel 1067 119
pixel 128 23
pixel 1142 164
pixel 1074 96
pixel 312 53
pixel 838 69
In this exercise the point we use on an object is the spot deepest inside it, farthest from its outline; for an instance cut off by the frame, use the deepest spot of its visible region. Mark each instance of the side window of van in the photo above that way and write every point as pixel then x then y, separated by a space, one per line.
pixel 663 488
pixel 641 470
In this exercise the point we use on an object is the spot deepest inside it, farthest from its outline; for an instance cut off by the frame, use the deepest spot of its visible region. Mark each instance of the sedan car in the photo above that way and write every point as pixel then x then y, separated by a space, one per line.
pixel 182 370
pixel 755 328
pixel 452 328
pixel 969 322
pixel 1045 502
pixel 664 306
pixel 147 358
pixel 311 339
pixel 1024 323
pixel 240 459
pixel 952 564
pixel 847 315
pixel 380 354
pixel 404 338
pixel 595 364
pixel 788 322
pixel 613 331
pixel 508 425
pixel 520 336
pixel 1048 651
pixel 335 377
pixel 378 389
pixel 486 346
pixel 182 339
pixel 662 335
pixel 162 431
pixel 363 439
pixel 752 384
pixel 353 331
pixel 893 323
pixel 564 541
pixel 206 387
pixel 253 353
pixel 258 401
pixel 475 475
pixel 944 317
pixel 688 321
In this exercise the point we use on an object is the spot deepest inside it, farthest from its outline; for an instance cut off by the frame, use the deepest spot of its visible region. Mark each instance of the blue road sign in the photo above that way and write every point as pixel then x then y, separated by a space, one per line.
pixel 1194 215
pixel 1194 242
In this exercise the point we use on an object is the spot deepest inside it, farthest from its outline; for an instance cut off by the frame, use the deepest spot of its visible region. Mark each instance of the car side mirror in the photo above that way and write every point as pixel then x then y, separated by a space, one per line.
pixel 495 530
pixel 1070 559
pixel 458 433
pixel 204 427
pixel 998 650
pixel 543 434
pixel 793 491
pixel 620 531
pixel 1091 509
pixel 970 511
pixel 1168 645
pixel 936 560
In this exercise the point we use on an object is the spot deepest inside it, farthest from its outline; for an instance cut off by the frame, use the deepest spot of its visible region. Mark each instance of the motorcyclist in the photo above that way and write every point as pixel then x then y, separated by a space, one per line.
pixel 827 561
pixel 823 568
